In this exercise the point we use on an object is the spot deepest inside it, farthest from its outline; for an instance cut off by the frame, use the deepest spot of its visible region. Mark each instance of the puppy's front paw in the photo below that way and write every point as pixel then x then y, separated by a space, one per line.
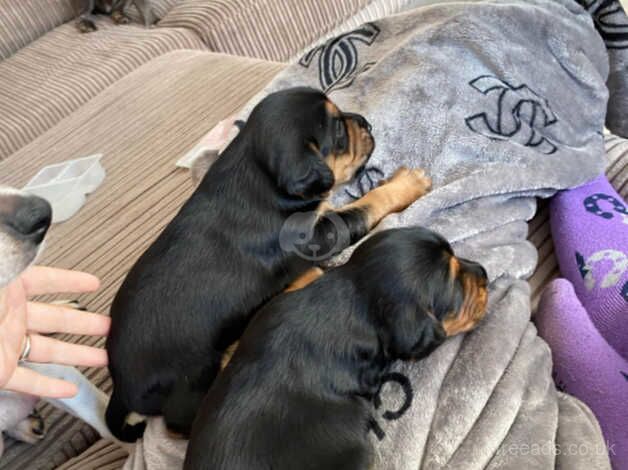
pixel 119 17
pixel 408 185
pixel 415 179
pixel 30 429
pixel 85 25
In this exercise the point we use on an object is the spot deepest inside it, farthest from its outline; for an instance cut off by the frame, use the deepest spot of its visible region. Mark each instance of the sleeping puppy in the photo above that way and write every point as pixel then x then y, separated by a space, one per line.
pixel 296 392
pixel 115 8
pixel 191 294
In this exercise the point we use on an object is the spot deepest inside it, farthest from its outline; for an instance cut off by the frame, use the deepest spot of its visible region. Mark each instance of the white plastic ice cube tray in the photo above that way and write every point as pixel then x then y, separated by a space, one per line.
pixel 65 184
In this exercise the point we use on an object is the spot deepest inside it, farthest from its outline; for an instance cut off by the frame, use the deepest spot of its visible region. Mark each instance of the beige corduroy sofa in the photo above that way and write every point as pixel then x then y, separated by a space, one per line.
pixel 143 98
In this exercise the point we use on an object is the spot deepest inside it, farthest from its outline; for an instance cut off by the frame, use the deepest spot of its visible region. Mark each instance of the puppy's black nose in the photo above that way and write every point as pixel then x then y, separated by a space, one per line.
pixel 479 271
pixel 28 216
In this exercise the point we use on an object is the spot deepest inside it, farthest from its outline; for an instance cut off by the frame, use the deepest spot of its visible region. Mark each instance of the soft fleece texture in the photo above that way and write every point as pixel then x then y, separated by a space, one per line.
pixel 585 365
pixel 430 82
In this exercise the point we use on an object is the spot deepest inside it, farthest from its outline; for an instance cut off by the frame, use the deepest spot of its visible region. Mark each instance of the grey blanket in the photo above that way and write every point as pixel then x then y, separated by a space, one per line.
pixel 501 102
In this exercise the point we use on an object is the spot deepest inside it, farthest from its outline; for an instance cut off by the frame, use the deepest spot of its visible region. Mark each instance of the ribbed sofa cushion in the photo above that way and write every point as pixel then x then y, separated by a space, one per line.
pixel 52 77
pixel 267 29
pixel 23 21
pixel 142 125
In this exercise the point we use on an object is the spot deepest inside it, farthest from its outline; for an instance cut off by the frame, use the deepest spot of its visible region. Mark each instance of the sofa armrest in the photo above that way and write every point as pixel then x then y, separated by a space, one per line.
pixel 268 29
pixel 23 21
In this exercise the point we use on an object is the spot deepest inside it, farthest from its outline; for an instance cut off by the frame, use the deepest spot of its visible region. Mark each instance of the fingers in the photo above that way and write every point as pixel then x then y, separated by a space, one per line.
pixel 44 349
pixel 39 280
pixel 46 318
pixel 28 381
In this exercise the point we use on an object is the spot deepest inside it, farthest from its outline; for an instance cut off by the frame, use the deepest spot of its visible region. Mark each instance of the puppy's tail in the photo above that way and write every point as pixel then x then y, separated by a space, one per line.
pixel 116 417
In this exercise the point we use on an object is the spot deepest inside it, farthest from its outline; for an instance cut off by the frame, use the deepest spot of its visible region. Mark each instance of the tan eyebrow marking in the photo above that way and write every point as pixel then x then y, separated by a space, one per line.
pixel 454 267
pixel 332 109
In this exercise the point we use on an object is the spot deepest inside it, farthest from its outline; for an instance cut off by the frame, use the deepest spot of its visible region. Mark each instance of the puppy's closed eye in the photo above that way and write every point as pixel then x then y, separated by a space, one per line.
pixel 414 332
pixel 342 139
pixel 305 174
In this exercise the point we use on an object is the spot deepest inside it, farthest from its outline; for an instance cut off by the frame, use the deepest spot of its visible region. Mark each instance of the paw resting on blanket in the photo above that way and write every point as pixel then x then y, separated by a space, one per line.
pixel 409 185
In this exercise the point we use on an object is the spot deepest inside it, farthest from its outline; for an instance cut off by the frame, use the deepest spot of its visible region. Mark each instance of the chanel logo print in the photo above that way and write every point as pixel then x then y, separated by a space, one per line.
pixel 365 181
pixel 518 114
pixel 405 393
pixel 338 57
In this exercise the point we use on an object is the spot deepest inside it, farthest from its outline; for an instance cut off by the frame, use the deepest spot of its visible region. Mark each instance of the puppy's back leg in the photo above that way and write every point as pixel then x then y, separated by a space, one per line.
pixel 185 400
pixel 116 416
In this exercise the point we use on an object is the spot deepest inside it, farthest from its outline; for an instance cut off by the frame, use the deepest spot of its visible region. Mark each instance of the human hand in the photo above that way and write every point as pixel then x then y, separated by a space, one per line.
pixel 19 318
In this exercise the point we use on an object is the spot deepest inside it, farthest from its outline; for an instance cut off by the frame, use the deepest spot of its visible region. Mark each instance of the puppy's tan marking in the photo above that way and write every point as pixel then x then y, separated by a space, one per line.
pixel 345 165
pixel 454 267
pixel 394 195
pixel 332 109
pixel 226 357
pixel 473 307
pixel 303 280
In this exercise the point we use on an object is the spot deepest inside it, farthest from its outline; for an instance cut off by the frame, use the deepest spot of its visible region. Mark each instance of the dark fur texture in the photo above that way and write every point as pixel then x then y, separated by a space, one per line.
pixel 295 394
pixel 191 294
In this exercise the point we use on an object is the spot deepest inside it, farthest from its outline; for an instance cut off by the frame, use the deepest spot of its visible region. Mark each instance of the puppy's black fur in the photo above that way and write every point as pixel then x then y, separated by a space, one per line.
pixel 295 394
pixel 190 295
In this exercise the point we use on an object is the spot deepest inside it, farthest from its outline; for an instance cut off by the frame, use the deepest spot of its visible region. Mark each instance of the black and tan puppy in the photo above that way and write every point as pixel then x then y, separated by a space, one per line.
pixel 191 294
pixel 295 394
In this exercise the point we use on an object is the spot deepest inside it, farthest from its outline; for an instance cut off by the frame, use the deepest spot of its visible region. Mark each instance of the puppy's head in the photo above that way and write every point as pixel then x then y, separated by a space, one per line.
pixel 24 221
pixel 307 143
pixel 421 292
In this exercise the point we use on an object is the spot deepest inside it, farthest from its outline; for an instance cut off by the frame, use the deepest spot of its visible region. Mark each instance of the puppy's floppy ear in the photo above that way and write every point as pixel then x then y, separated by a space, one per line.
pixel 413 333
pixel 305 174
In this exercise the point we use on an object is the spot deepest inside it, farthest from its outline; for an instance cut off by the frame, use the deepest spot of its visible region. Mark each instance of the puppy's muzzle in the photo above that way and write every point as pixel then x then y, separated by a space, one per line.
pixel 25 217
pixel 368 142
pixel 475 286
